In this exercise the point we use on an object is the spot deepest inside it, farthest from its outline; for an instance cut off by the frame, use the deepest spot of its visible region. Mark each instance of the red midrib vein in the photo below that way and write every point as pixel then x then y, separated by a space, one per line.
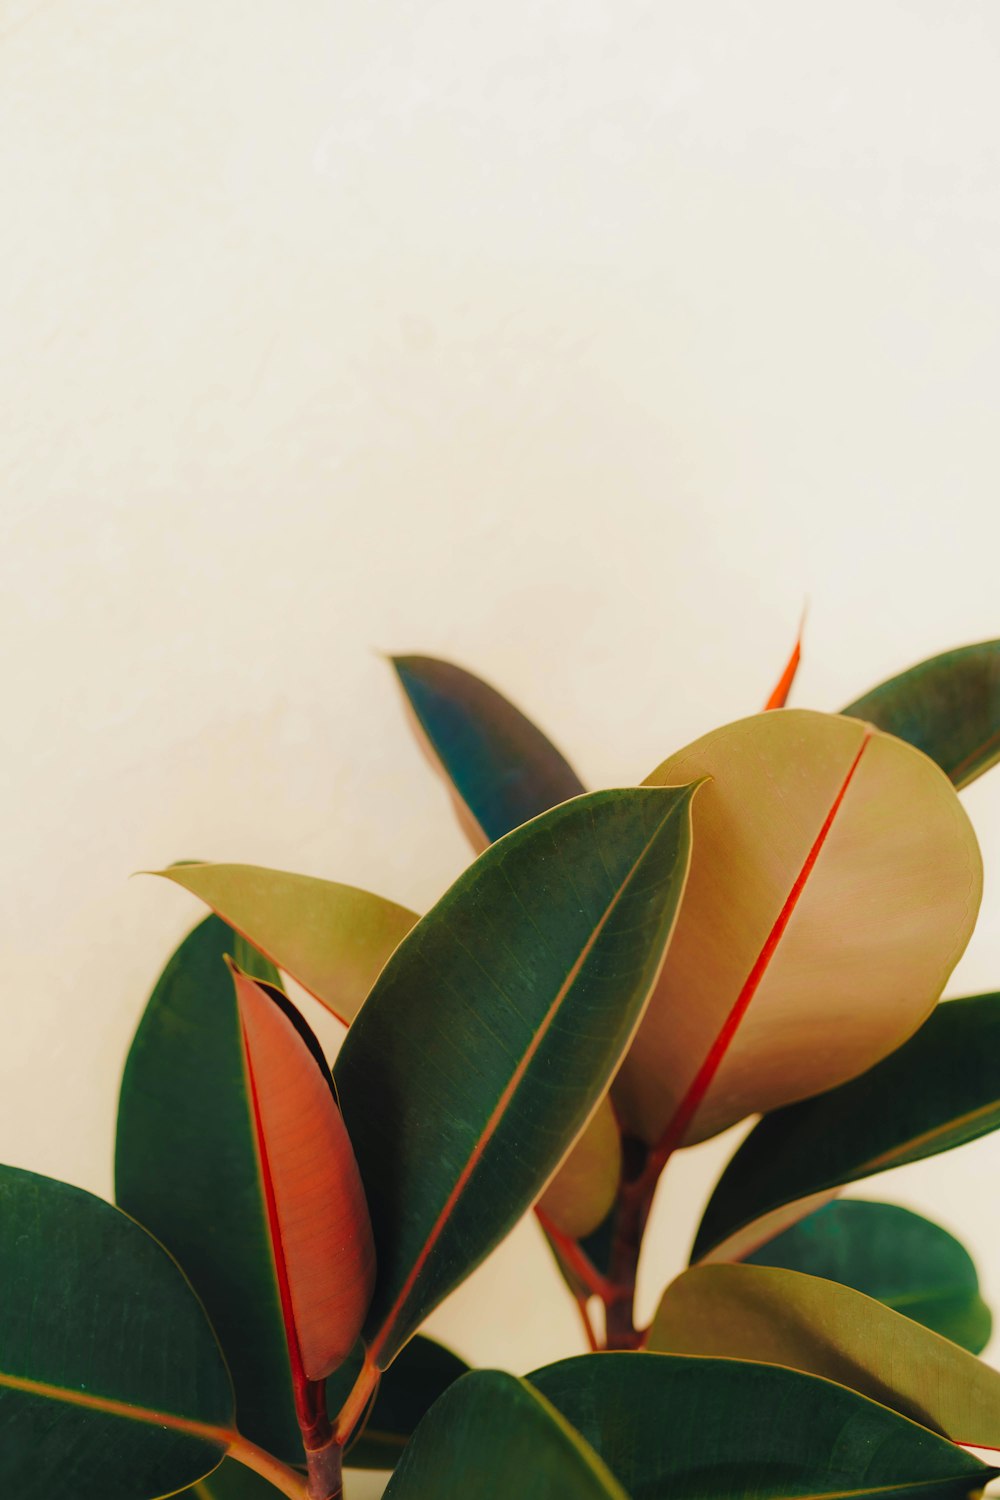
pixel 499 1110
pixel 699 1086
pixel 299 1379
pixel 222 1436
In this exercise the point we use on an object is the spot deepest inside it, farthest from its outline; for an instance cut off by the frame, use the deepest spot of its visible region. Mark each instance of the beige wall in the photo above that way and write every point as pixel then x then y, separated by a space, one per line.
pixel 579 341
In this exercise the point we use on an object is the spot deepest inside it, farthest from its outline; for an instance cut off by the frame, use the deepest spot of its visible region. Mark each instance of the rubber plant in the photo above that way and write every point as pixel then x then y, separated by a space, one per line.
pixel 764 928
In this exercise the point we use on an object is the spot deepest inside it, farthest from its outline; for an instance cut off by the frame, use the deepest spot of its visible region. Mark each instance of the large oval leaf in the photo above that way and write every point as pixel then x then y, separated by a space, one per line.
pixel 111 1381
pixel 187 1168
pixel 834 885
pixel 493 1436
pixel 824 1328
pixel 500 769
pixel 320 1233
pixel 949 707
pixel 913 1266
pixel 334 939
pixel 718 1429
pixel 492 1033
pixel 939 1090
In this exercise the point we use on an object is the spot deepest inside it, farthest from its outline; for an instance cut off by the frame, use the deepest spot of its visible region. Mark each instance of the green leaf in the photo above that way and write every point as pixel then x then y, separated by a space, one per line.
pixel 501 771
pixel 334 939
pixel 834 885
pixel 500 768
pixel 423 1372
pixel 112 1385
pixel 492 1033
pixel 492 1436
pixel 823 1328
pixel 895 1256
pixel 949 707
pixel 939 1090
pixel 186 1167
pixel 719 1429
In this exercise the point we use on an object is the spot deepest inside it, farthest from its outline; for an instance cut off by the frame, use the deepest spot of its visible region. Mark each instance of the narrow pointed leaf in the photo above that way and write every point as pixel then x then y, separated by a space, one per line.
pixel 719 1429
pixel 824 1328
pixel 834 885
pixel 320 1232
pixel 187 1168
pixel 783 686
pixel 500 769
pixel 334 939
pixel 913 1266
pixel 938 1091
pixel 493 1436
pixel 493 1031
pixel 948 706
pixel 111 1382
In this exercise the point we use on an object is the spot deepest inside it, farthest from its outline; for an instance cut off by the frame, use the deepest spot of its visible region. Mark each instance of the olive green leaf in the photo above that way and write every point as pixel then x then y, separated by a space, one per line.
pixel 896 1256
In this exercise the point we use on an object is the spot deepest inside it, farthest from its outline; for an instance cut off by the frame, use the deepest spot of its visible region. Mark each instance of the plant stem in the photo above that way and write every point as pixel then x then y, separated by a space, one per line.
pixel 270 1468
pixel 326 1479
pixel 354 1407
pixel 643 1168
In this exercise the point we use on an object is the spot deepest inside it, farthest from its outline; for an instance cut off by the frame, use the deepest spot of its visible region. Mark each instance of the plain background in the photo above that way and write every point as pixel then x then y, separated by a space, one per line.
pixel 577 341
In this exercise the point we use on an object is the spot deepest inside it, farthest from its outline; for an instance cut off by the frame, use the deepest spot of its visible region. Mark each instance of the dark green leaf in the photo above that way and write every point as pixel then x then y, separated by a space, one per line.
pixel 232 1481
pixel 492 1437
pixel 939 1090
pixel 949 707
pixel 111 1383
pixel 187 1168
pixel 719 1429
pixel 899 1258
pixel 502 769
pixel 494 1029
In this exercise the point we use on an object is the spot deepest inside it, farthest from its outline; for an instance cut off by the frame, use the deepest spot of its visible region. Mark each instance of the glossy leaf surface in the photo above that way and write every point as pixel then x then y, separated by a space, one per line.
pixel 493 1436
pixel 938 1091
pixel 500 768
pixel 186 1167
pixel 423 1371
pixel 824 1328
pixel 500 771
pixel 321 1236
pixel 913 1266
pixel 111 1381
pixel 334 939
pixel 834 884
pixel 493 1031
pixel 718 1429
pixel 948 706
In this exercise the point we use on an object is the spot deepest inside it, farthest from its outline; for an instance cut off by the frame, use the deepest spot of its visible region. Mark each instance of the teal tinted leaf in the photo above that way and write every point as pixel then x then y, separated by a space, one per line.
pixel 407 1391
pixel 939 1090
pixel 492 1033
pixel 112 1385
pixel 913 1266
pixel 501 768
pixel 949 707
pixel 719 1429
pixel 492 1437
pixel 186 1167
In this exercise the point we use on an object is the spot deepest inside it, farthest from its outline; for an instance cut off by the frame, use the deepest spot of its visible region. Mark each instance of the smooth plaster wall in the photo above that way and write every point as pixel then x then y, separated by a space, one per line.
pixel 578 341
